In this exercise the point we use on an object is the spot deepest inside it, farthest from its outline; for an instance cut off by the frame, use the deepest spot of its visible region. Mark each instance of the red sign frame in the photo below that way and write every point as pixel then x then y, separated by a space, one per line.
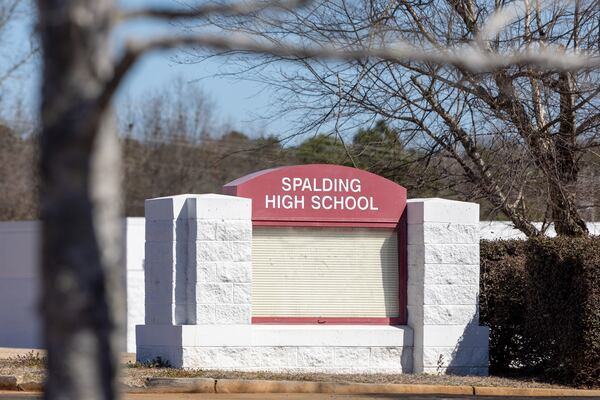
pixel 326 195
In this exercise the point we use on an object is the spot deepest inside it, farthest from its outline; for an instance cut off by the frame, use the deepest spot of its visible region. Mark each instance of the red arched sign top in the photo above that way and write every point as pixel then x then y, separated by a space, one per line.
pixel 321 195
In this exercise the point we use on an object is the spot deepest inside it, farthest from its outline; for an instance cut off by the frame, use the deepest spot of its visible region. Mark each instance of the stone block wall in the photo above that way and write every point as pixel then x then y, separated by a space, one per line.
pixel 443 287
pixel 221 255
pixel 198 260
pixel 280 348
pixel 166 260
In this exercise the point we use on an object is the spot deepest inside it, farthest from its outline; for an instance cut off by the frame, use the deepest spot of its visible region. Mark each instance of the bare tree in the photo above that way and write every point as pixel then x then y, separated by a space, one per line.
pixel 12 61
pixel 180 111
pixel 18 183
pixel 18 180
pixel 506 128
pixel 173 144
pixel 80 158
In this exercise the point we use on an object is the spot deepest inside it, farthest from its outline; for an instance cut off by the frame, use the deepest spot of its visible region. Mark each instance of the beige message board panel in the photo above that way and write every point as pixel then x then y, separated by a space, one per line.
pixel 333 272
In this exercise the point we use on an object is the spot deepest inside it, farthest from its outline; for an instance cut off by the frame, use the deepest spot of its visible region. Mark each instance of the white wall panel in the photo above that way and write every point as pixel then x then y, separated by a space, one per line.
pixel 19 284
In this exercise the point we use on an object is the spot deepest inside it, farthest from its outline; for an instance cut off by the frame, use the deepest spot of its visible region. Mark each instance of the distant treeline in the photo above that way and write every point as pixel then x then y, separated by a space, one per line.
pixel 160 164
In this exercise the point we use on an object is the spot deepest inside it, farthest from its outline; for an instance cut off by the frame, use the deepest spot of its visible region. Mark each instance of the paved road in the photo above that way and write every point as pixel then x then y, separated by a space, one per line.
pixel 160 396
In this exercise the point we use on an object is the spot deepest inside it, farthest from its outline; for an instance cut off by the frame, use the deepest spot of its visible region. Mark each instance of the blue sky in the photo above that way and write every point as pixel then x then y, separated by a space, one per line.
pixel 238 103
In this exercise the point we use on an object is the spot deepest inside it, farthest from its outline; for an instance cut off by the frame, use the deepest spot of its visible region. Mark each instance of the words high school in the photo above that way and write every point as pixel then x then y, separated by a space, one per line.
pixel 345 200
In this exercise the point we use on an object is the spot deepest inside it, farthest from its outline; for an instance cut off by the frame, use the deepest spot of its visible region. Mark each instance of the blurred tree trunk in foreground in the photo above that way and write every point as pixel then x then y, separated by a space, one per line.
pixel 79 197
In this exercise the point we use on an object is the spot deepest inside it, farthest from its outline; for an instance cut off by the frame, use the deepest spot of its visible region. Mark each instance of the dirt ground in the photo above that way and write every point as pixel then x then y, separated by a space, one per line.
pixel 29 365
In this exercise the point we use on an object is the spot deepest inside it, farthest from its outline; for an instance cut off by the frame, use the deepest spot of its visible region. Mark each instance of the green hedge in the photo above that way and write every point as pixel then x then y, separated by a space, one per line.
pixel 541 299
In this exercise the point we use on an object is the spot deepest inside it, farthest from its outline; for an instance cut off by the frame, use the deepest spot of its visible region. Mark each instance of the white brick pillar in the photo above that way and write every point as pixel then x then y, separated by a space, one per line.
pixel 198 260
pixel 443 287
pixel 165 260
pixel 220 249
pixel 198 275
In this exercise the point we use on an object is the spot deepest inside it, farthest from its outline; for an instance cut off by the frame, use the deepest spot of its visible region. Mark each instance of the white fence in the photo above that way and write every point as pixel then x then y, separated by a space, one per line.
pixel 491 230
pixel 19 245
pixel 19 320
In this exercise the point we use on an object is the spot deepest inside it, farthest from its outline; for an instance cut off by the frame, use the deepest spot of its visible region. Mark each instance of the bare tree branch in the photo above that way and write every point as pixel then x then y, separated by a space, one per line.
pixel 468 59
pixel 207 10
pixel 15 67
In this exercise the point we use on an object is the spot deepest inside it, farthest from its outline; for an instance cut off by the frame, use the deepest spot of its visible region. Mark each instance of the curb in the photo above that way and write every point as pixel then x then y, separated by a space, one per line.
pixel 266 386
pixel 30 387
pixel 8 382
pixel 13 382
pixel 535 392
pixel 179 385
pixel 207 385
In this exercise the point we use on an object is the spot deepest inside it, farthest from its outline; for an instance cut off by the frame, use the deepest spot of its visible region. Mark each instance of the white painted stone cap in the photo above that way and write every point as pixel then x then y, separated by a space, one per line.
pixel 198 206
pixel 441 210
pixel 318 336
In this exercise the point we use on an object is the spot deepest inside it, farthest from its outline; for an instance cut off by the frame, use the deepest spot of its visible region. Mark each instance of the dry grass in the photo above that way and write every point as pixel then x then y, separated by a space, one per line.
pixel 134 375
pixel 31 367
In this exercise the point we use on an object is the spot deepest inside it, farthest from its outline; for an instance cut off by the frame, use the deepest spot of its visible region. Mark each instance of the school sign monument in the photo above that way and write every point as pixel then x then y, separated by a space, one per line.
pixel 315 268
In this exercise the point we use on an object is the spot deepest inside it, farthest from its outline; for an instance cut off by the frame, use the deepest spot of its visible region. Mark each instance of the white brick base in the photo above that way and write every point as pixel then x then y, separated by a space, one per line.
pixel 279 348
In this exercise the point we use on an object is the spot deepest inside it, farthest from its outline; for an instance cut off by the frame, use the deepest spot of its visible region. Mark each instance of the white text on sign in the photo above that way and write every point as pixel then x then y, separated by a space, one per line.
pixel 345 200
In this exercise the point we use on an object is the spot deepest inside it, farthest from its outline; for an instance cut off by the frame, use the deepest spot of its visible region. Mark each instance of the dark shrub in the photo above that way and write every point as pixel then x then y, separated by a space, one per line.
pixel 564 306
pixel 541 299
pixel 502 306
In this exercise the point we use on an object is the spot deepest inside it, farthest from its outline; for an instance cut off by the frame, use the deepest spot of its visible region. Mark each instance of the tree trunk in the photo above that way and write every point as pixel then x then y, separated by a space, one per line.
pixel 567 220
pixel 80 203
pixel 554 155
